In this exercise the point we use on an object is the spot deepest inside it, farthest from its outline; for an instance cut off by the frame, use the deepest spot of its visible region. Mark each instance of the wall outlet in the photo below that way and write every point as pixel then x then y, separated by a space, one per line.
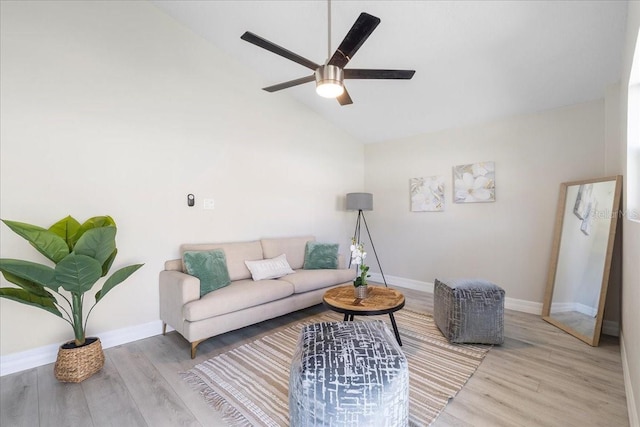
pixel 209 204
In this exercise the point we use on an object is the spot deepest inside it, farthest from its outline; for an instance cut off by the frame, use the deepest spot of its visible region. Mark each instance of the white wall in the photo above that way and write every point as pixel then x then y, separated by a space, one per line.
pixel 114 108
pixel 630 334
pixel 509 241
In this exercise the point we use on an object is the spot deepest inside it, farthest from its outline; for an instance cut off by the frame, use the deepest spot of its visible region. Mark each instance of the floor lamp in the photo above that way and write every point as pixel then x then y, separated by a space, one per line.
pixel 363 202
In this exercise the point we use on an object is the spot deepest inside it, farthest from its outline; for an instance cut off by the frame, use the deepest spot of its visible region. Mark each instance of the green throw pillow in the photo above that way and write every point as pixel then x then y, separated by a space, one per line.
pixel 208 266
pixel 321 256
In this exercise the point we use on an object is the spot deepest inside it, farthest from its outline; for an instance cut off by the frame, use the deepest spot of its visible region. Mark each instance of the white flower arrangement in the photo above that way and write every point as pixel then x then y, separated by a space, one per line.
pixel 357 257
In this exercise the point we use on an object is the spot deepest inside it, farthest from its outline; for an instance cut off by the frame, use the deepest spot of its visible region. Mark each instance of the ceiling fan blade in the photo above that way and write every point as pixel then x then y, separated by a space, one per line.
pixel 359 32
pixel 378 74
pixel 290 83
pixel 278 50
pixel 344 99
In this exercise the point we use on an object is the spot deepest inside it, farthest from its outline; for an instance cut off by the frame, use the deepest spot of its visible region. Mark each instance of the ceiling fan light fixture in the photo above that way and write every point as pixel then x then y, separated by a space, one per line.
pixel 329 81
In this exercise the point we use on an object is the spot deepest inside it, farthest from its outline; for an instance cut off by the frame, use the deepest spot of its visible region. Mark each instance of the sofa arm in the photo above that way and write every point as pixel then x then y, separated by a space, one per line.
pixel 176 289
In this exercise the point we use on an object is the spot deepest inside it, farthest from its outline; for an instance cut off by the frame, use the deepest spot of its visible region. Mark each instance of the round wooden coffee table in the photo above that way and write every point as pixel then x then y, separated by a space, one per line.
pixel 379 300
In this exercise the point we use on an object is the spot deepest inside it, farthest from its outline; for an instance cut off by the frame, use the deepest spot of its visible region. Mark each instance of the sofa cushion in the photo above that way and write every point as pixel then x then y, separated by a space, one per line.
pixel 309 280
pixel 208 266
pixel 271 268
pixel 236 254
pixel 321 256
pixel 292 247
pixel 238 295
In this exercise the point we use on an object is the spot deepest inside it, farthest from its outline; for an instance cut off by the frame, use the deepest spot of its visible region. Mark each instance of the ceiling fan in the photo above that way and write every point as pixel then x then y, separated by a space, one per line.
pixel 330 76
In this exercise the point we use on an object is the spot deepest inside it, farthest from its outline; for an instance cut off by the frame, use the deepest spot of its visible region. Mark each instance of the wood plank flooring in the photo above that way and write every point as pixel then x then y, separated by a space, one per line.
pixel 541 376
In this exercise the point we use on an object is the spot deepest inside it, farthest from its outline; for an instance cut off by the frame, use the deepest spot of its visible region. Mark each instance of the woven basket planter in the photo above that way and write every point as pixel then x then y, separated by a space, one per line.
pixel 76 364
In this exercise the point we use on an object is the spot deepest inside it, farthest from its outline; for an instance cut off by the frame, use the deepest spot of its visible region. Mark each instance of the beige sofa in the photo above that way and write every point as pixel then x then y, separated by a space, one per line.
pixel 245 301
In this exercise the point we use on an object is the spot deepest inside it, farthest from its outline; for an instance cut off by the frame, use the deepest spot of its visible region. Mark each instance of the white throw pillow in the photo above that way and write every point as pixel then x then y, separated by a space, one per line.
pixel 269 268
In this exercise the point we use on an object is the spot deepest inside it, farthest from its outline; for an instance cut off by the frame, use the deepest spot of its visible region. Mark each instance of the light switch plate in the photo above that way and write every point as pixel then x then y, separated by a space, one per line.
pixel 209 204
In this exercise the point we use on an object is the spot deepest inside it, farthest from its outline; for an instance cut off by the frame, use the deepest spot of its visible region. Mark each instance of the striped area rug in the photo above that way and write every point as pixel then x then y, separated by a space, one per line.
pixel 249 384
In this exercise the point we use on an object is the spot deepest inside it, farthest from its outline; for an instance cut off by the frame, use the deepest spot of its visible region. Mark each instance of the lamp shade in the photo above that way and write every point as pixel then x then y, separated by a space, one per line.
pixel 359 201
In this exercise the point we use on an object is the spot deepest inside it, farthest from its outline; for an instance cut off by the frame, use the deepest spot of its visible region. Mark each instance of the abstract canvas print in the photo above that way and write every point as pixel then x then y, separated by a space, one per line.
pixel 427 194
pixel 474 183
pixel 583 199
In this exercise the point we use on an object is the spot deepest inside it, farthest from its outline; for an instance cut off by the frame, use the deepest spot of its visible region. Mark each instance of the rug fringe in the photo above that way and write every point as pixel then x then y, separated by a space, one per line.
pixel 229 414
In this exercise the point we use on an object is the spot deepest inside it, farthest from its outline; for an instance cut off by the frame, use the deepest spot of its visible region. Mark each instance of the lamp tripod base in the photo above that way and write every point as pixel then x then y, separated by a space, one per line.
pixel 356 237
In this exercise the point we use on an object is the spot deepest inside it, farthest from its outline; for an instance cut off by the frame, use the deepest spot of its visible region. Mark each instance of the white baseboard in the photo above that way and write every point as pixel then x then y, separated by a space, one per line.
pixel 585 309
pixel 523 306
pixel 562 307
pixel 24 360
pixel 33 358
pixel 403 283
pixel 634 417
pixel 509 303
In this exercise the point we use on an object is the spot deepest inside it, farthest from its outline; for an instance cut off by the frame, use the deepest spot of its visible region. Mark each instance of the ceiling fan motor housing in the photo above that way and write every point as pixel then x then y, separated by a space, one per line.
pixel 329 81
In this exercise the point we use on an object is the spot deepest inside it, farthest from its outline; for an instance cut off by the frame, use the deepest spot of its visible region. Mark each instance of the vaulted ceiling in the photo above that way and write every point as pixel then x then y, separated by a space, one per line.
pixel 475 60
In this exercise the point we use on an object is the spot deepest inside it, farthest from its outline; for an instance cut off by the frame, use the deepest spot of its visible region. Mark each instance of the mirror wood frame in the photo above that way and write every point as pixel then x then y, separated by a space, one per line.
pixel 555 252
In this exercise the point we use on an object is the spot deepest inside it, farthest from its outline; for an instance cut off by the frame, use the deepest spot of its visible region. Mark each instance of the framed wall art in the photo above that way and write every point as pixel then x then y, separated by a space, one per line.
pixel 474 183
pixel 427 194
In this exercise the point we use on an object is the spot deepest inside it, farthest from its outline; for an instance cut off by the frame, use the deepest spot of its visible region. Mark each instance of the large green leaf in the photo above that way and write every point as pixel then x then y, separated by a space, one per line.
pixel 27 285
pixel 96 222
pixel 31 271
pixel 78 273
pixel 117 278
pixel 97 243
pixel 26 297
pixel 107 264
pixel 46 242
pixel 67 228
pixel 99 221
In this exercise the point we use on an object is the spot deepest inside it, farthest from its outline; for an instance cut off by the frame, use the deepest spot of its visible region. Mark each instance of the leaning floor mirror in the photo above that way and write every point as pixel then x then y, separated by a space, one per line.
pixel 578 276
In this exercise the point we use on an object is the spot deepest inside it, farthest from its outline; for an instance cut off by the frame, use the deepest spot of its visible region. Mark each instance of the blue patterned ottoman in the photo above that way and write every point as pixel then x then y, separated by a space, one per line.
pixel 469 311
pixel 348 374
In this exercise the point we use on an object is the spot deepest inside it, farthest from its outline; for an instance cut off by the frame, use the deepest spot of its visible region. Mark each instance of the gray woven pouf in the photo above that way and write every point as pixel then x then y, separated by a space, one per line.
pixel 469 311
pixel 348 374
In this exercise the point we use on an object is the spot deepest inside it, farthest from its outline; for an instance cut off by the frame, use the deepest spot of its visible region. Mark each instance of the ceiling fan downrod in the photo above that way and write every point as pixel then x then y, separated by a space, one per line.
pixel 329 78
pixel 328 30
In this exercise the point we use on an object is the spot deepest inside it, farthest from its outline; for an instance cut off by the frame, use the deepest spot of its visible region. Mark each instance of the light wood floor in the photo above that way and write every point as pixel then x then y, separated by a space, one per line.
pixel 540 377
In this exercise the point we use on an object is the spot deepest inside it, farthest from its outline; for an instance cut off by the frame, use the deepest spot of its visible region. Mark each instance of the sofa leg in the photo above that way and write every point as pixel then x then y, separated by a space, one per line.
pixel 164 328
pixel 194 348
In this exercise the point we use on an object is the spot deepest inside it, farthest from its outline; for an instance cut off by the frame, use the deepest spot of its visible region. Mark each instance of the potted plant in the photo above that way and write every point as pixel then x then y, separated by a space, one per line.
pixel 357 257
pixel 81 254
